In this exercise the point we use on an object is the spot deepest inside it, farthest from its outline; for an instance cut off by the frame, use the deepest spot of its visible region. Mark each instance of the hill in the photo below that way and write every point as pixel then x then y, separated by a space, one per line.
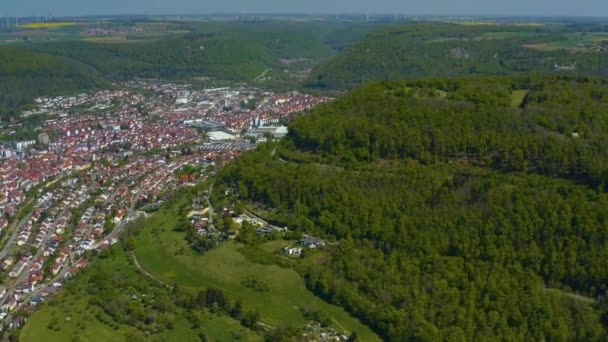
pixel 25 74
pixel 112 301
pixel 450 212
pixel 61 60
pixel 124 295
pixel 237 51
pixel 164 252
pixel 173 59
pixel 449 50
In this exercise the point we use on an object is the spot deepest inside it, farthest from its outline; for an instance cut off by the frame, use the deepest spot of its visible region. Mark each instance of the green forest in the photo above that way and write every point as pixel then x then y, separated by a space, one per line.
pixel 452 213
pixel 25 75
pixel 450 50
pixel 235 51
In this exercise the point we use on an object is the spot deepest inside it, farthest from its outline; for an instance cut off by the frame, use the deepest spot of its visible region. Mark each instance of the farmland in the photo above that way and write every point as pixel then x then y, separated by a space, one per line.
pixel 574 42
pixel 51 25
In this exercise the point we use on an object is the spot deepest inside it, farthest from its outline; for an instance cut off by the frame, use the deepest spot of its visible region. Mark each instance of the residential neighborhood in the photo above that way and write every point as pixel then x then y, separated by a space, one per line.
pixel 98 161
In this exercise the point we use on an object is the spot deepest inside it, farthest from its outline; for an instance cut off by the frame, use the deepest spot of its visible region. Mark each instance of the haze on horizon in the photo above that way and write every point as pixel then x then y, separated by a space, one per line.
pixel 592 8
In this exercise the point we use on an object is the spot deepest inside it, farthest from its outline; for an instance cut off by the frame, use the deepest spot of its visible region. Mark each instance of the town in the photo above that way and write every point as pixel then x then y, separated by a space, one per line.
pixel 99 161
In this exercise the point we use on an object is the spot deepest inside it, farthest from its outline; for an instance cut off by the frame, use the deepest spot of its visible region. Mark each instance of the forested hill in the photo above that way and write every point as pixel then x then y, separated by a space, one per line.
pixel 233 50
pixel 25 74
pixel 176 59
pixel 451 50
pixel 464 209
pixel 551 126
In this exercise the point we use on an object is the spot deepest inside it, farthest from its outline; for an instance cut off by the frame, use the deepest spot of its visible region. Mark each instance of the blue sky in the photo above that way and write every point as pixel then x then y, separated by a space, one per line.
pixel 597 8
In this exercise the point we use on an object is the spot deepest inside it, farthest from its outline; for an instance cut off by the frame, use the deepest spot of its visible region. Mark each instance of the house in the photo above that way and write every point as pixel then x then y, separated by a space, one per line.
pixel 119 216
pixel 104 245
pixel 35 300
pixel 82 263
pixel 10 304
pixel 48 252
pixel 34 278
pixel 38 263
pixel 55 268
pixel 65 252
pixel 47 291
pixel 24 288
pixel 293 250
pixel 70 273
pixel 8 262
pixel 17 323
pixel 311 242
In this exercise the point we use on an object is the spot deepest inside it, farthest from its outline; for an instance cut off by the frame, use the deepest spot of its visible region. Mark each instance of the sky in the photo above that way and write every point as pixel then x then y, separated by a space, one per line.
pixel 595 8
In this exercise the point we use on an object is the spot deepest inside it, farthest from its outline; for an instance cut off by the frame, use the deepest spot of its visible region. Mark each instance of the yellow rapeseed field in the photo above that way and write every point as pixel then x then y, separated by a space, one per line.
pixel 49 25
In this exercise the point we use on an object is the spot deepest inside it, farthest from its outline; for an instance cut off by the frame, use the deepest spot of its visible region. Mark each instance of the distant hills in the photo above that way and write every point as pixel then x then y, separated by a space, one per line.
pixel 234 51
pixel 166 59
pixel 61 60
pixel 448 50
pixel 25 74
pixel 346 54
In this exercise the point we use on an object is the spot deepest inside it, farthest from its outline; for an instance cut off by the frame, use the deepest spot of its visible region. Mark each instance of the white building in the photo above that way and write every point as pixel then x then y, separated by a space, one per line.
pixel 220 136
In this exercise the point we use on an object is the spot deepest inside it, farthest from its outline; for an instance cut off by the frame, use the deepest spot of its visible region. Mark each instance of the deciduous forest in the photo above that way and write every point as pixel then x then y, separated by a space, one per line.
pixel 453 211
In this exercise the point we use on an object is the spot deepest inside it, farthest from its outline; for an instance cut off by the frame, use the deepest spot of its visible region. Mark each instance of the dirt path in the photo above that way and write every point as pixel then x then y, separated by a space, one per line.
pixel 261 75
pixel 265 326
pixel 577 297
pixel 146 273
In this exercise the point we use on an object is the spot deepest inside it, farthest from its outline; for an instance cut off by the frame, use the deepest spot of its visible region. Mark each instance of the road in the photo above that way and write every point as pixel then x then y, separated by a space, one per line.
pixel 61 275
pixel 254 216
pixel 14 234
pixel 10 245
pixel 24 275
pixel 274 151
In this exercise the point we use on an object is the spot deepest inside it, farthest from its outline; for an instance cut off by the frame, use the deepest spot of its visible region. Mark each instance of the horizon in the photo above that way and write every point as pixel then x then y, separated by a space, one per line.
pixel 371 15
pixel 430 8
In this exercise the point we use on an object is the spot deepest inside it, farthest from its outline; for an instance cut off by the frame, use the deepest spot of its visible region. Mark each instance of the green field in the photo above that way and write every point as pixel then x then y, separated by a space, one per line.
pixel 70 316
pixel 509 35
pixel 84 326
pixel 573 41
pixel 83 323
pixel 517 97
pixel 165 254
